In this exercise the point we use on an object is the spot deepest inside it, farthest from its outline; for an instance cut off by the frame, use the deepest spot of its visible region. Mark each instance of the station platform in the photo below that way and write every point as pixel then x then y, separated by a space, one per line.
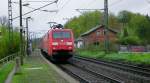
pixel 37 69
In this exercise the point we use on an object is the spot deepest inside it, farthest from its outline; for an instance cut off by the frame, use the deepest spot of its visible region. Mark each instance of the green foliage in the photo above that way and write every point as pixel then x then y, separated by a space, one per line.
pixel 5 70
pixel 136 31
pixel 140 27
pixel 84 22
pixel 134 27
pixel 127 39
pixel 124 16
pixel 114 23
pixel 124 33
pixel 89 20
pixel 130 40
pixel 8 46
pixel 90 53
pixel 136 58
pixel 147 17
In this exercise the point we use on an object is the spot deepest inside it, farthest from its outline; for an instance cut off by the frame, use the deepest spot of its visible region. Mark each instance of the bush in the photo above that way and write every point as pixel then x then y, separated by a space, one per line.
pixel 130 40
pixel 113 47
pixel 8 46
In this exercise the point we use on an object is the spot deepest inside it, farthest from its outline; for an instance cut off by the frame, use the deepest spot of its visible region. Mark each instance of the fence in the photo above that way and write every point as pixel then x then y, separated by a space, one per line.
pixel 131 48
pixel 8 58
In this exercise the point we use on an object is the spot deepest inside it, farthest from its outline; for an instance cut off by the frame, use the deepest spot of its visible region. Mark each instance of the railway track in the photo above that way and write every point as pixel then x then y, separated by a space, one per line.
pixel 84 75
pixel 126 67
pixel 124 72
pixel 88 70
pixel 87 76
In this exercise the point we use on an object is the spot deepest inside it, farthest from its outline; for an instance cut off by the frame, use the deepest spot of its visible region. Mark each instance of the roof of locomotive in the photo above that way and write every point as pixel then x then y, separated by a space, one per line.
pixel 60 30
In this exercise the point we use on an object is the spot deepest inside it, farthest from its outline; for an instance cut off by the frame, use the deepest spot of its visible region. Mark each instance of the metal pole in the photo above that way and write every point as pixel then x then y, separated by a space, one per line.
pixel 10 26
pixel 21 30
pixel 24 46
pixel 27 49
pixel 106 26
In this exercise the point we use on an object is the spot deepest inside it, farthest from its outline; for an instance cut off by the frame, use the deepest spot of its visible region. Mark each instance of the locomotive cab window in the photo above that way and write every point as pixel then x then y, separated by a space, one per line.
pixel 61 35
pixel 66 34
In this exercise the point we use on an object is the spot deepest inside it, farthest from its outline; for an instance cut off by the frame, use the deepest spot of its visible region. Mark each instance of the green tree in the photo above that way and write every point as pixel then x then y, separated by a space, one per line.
pixel 124 17
pixel 138 30
pixel 113 22
pixel 6 44
pixel 84 22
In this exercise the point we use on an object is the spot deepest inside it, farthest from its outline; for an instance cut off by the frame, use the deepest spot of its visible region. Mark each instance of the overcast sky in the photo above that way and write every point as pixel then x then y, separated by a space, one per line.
pixel 66 10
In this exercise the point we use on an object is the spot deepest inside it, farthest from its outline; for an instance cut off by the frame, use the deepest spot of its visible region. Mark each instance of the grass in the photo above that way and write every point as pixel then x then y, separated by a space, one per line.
pixel 92 53
pixel 136 58
pixel 5 70
pixel 43 74
pixel 130 57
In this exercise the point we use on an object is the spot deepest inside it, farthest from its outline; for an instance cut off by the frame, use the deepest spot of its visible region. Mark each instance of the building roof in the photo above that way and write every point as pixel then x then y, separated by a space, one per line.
pixel 97 27
pixel 79 39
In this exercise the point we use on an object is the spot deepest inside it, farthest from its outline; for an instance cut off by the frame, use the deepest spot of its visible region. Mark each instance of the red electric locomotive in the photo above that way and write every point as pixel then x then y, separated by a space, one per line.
pixel 58 44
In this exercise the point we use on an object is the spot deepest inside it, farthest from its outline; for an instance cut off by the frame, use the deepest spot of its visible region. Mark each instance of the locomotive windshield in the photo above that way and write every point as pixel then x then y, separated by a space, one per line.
pixel 61 35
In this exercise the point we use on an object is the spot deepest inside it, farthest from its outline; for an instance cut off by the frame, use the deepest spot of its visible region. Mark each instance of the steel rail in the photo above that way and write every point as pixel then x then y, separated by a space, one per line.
pixel 109 79
pixel 74 75
pixel 133 69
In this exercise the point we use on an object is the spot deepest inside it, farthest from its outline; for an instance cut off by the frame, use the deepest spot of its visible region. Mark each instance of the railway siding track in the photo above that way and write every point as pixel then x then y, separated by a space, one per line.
pixel 126 67
pixel 87 76
pixel 107 69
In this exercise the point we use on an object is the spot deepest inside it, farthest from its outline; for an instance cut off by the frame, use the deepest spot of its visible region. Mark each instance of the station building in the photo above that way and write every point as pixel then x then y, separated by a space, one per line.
pixel 96 36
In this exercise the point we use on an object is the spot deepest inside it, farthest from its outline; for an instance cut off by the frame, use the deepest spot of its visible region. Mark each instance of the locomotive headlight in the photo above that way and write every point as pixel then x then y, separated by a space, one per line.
pixel 55 43
pixel 68 43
